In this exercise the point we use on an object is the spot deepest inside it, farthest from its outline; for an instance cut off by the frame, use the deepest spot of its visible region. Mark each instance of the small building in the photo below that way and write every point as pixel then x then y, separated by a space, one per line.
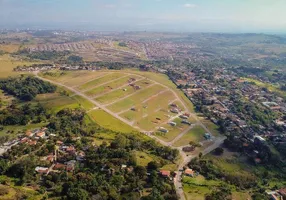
pixel 42 170
pixel 208 136
pixel 59 166
pixel 29 133
pixel 165 173
pixel 258 139
pixel 184 117
pixel 175 110
pixel 173 123
pixel 189 172
pixel 186 122
pixel 41 134
pixel 162 129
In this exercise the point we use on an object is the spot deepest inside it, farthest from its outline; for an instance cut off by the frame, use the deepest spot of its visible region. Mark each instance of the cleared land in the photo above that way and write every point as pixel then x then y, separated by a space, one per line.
pixel 101 80
pixel 136 99
pixel 196 134
pixel 105 120
pixel 116 101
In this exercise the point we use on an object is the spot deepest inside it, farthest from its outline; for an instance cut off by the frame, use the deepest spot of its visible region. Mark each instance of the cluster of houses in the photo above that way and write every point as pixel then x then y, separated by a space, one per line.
pixel 56 67
pixel 277 194
pixel 31 138
pixel 218 94
pixel 186 172
pixel 60 159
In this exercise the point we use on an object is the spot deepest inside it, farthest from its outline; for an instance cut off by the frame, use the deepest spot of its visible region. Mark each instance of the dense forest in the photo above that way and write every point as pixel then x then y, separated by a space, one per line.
pixel 26 87
pixel 22 115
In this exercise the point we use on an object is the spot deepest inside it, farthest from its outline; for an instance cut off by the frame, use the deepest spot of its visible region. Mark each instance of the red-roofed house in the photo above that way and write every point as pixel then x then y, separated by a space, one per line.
pixel 41 134
pixel 189 172
pixel 165 173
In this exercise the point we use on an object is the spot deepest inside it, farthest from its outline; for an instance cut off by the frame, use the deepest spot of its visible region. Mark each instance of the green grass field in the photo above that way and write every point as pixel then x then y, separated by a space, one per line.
pixel 135 99
pixel 70 78
pixel 100 80
pixel 196 134
pixel 84 103
pixel 109 86
pixel 107 121
pixel 196 188
pixel 120 93
pixel 56 102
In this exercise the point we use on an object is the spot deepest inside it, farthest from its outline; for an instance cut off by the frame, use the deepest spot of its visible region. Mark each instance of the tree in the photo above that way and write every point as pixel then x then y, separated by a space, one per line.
pixel 140 171
pixel 77 194
pixel 219 151
pixel 152 166
pixel 120 141
pixel 117 181
pixel 3 166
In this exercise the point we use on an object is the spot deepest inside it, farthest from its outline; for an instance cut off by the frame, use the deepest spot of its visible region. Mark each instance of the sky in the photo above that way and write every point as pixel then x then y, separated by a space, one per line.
pixel 147 15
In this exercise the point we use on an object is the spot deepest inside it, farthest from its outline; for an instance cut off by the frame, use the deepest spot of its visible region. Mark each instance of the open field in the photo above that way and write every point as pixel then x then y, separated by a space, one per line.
pixel 196 188
pixel 196 134
pixel 137 99
pixel 110 86
pixel 56 102
pixel 105 120
pixel 100 80
pixel 7 64
pixel 120 93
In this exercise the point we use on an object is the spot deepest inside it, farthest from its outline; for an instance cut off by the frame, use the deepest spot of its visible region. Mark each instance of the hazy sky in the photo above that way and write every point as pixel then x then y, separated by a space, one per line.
pixel 166 15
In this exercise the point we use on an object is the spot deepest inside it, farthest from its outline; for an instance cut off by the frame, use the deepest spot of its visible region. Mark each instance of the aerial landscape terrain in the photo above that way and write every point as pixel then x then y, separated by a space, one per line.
pixel 142 115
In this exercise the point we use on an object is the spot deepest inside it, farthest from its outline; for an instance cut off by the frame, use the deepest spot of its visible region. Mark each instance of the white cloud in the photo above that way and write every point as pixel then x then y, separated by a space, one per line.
pixel 189 5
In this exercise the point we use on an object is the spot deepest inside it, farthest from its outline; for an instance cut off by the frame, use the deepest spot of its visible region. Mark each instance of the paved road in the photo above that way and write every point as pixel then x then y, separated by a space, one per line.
pixel 186 159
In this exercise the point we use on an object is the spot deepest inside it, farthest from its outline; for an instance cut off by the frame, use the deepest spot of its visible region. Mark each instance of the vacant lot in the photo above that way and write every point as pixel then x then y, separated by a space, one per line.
pixel 106 120
pixel 109 86
pixel 120 93
pixel 196 134
pixel 136 99
pixel 101 80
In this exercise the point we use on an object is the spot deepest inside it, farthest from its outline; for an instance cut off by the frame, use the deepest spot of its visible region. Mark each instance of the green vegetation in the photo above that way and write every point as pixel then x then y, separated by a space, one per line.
pixel 106 120
pixel 100 80
pixel 136 99
pixel 26 87
pixel 87 105
pixel 196 134
pixel 42 55
pixel 95 168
